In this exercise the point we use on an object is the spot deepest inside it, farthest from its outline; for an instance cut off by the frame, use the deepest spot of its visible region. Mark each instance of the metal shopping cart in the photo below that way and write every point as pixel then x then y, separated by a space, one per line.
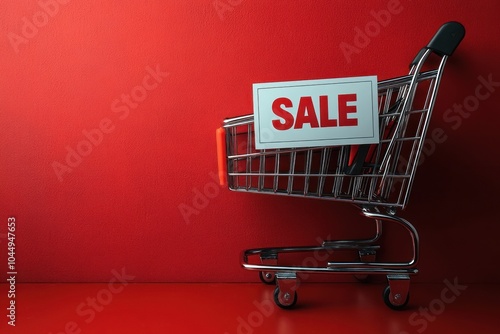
pixel 377 178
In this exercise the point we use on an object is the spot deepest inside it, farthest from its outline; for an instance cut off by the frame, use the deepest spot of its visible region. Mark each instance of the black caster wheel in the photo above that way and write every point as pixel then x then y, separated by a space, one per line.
pixel 267 277
pixel 285 300
pixel 390 304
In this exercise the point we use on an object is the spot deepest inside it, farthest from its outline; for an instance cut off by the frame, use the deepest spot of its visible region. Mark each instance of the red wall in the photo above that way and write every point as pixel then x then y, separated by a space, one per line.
pixel 120 204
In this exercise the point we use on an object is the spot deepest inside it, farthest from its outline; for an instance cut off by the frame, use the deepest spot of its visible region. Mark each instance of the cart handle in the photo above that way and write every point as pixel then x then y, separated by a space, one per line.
pixel 445 41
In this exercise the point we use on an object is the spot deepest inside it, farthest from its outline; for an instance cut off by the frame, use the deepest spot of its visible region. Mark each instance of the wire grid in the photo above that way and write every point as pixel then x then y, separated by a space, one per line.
pixel 322 172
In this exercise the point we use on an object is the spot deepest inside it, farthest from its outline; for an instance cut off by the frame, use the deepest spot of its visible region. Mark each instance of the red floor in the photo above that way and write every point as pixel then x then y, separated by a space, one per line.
pixel 247 308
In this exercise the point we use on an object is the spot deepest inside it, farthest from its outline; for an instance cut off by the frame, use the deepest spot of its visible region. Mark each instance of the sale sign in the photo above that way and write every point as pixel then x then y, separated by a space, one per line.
pixel 326 112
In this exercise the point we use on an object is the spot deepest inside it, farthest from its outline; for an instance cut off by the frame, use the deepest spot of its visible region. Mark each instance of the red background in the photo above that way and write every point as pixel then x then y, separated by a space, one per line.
pixel 120 207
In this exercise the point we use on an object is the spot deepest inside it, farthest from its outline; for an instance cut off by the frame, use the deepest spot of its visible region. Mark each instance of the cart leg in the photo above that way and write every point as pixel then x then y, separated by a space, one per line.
pixel 285 294
pixel 268 277
pixel 396 294
pixel 336 244
pixel 365 256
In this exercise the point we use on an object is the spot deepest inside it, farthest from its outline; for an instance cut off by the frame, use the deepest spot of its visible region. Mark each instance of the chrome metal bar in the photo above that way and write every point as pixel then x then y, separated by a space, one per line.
pixel 293 156
pixel 343 270
pixel 391 218
pixel 361 242
pixel 324 164
pixel 408 100
pixel 262 170
pixel 276 171
pixel 426 126
pixel 307 170
pixel 248 182
pixel 364 176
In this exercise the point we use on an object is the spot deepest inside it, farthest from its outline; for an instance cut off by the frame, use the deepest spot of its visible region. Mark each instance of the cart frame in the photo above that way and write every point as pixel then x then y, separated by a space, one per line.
pixel 376 178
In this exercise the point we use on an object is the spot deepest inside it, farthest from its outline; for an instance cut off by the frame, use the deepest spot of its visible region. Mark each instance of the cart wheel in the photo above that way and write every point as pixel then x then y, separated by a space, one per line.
pixel 387 300
pixel 285 300
pixel 267 277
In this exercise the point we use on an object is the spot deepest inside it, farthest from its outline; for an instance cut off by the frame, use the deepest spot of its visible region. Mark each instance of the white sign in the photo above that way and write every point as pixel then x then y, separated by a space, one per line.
pixel 327 112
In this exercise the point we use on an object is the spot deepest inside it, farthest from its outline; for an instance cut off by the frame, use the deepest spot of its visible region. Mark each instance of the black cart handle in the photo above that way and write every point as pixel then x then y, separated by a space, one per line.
pixel 445 41
pixel 447 38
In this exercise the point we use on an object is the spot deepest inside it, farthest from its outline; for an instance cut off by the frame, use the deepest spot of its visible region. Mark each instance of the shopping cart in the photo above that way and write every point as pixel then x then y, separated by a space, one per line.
pixel 377 178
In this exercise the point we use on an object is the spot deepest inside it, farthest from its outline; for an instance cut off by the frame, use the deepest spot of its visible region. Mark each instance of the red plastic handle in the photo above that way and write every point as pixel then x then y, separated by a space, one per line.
pixel 221 155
